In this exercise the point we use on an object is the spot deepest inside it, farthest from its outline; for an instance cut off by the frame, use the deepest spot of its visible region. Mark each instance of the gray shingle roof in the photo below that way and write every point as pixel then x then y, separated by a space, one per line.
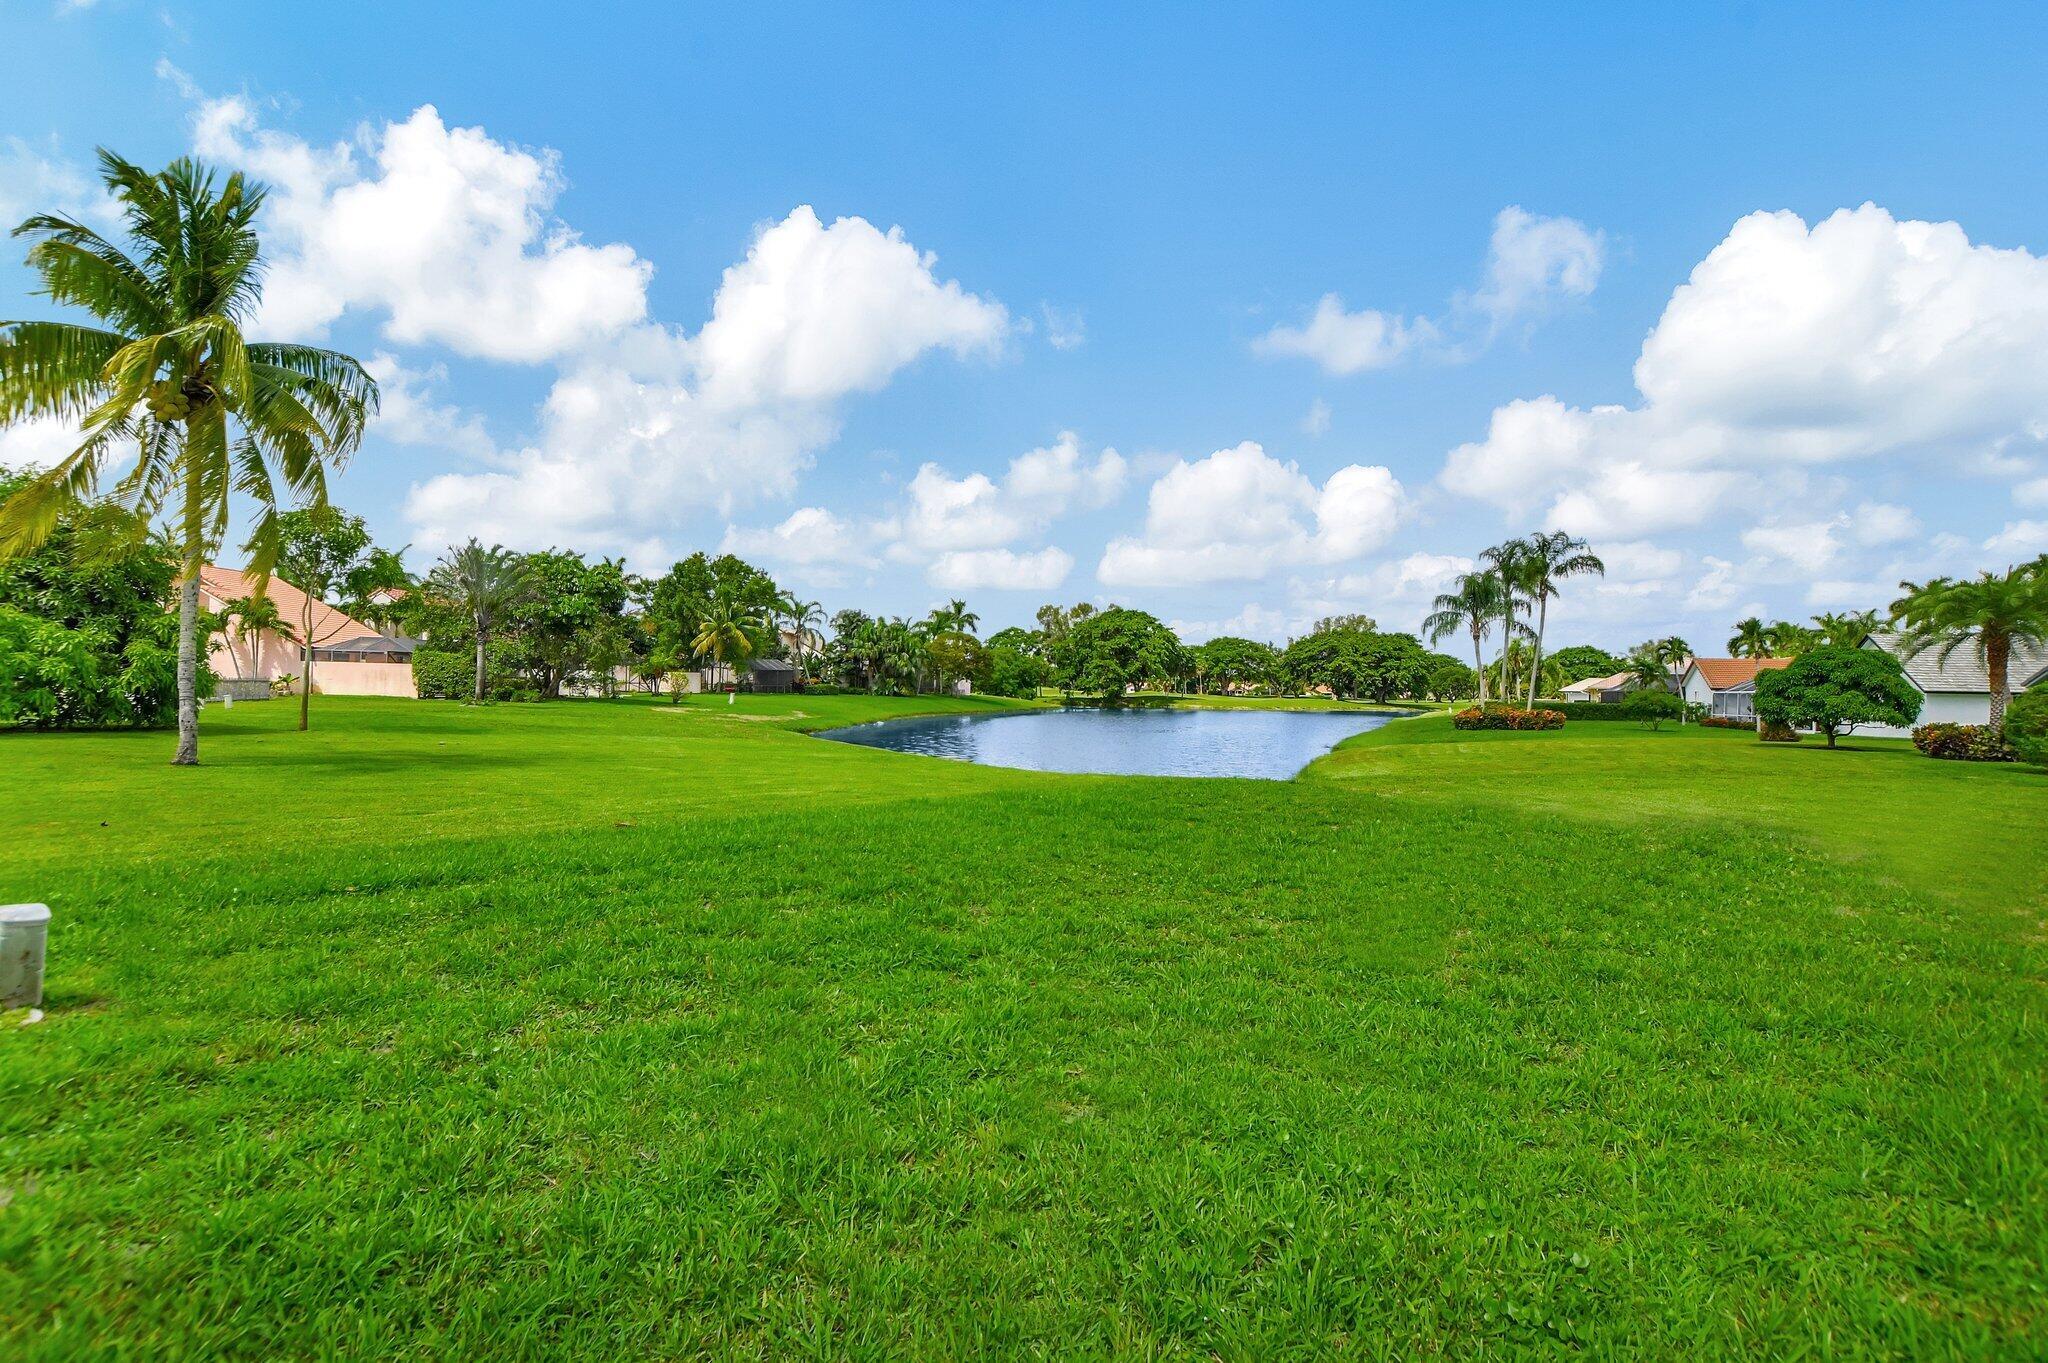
pixel 1964 669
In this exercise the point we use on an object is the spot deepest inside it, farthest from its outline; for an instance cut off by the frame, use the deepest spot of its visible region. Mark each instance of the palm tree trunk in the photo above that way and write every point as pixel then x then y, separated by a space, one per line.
pixel 1997 657
pixel 481 641
pixel 1478 661
pixel 188 662
pixel 1536 658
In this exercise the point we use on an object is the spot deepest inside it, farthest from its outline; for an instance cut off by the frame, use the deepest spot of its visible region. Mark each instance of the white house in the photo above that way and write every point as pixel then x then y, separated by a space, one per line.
pixel 1726 686
pixel 1956 690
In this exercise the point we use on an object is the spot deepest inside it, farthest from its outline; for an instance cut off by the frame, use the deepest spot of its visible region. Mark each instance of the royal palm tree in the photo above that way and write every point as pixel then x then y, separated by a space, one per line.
pixel 726 630
pixel 1471 606
pixel 1549 558
pixel 1751 639
pixel 1989 613
pixel 1508 561
pixel 485 584
pixel 167 381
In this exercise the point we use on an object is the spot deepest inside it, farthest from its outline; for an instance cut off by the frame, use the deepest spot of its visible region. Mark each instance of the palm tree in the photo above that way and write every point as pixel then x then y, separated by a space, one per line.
pixel 952 618
pixel 1989 613
pixel 1847 630
pixel 1508 562
pixel 1751 639
pixel 249 618
pixel 1471 606
pixel 1787 640
pixel 1547 560
pixel 485 583
pixel 805 618
pixel 726 630
pixel 168 380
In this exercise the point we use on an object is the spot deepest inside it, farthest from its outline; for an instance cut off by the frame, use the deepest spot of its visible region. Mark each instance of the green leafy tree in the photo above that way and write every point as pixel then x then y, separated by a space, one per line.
pixel 1351 663
pixel 486 585
pixel 319 548
pixel 2026 726
pixel 1010 671
pixel 566 604
pixel 1580 661
pixel 246 619
pixel 1651 708
pixel 1449 679
pixel 1548 560
pixel 1836 690
pixel 1987 614
pixel 85 636
pixel 1023 640
pixel 1228 661
pixel 1105 653
pixel 1472 605
pixel 166 389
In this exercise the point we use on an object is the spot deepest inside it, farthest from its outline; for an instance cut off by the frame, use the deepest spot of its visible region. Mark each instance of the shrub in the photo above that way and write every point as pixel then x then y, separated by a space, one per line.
pixel 1598 710
pixel 827 689
pixel 1506 717
pixel 1651 708
pixel 1962 743
pixel 1724 722
pixel 1767 732
pixel 2026 726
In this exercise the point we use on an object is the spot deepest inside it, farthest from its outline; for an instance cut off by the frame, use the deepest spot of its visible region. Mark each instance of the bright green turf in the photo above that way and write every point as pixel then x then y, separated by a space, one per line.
pixel 627 1030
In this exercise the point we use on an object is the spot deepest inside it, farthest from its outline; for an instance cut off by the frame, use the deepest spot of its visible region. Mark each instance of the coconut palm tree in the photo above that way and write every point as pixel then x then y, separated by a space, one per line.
pixel 485 584
pixel 1751 639
pixel 1508 561
pixel 166 388
pixel 1548 558
pixel 1988 613
pixel 726 630
pixel 1471 606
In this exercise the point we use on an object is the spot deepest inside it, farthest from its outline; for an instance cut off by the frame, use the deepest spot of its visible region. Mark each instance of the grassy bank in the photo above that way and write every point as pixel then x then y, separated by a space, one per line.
pixel 603 1030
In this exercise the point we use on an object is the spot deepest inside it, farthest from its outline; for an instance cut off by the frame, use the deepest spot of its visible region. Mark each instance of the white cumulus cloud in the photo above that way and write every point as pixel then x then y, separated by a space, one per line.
pixel 1239 513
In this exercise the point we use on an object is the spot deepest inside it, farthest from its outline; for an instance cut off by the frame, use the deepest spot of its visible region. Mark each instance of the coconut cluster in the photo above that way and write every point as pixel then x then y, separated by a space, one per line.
pixel 168 402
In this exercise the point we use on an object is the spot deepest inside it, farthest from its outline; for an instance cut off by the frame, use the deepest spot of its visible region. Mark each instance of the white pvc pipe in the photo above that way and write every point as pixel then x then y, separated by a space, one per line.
pixel 24 931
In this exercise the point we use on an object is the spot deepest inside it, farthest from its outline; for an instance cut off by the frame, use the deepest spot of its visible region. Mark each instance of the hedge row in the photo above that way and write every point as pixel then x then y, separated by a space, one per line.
pixel 1963 743
pixel 1507 717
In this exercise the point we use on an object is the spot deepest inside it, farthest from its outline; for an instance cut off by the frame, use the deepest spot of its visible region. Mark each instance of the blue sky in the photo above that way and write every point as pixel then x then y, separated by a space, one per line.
pixel 1094 359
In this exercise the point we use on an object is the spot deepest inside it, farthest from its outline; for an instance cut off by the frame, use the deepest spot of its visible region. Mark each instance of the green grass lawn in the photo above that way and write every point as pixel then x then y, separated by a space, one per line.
pixel 607 1030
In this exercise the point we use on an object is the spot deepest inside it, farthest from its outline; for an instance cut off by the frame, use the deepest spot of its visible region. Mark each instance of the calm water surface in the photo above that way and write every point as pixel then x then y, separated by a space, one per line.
pixel 1269 745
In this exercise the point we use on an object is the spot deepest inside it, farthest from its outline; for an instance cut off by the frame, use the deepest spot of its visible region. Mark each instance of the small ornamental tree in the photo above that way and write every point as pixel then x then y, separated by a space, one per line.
pixel 1837 689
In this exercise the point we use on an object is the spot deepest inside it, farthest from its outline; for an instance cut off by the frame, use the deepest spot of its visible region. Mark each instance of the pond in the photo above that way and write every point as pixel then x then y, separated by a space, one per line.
pixel 1270 745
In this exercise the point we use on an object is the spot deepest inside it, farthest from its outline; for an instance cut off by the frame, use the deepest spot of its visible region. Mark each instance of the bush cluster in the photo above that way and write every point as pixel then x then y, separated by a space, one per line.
pixel 1963 743
pixel 1506 717
pixel 1768 732
pixel 2026 726
pixel 1724 722
pixel 1587 709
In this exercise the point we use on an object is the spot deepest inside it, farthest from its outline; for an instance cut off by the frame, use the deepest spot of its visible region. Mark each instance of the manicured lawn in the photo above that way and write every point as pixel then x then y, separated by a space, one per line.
pixel 627 1030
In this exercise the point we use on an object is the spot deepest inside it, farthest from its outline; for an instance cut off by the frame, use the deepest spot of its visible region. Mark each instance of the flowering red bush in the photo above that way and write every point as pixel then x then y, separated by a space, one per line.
pixel 1506 717
pixel 1963 742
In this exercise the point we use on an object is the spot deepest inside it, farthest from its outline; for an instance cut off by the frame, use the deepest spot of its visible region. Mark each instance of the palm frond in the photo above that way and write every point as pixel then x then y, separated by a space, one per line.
pixel 53 368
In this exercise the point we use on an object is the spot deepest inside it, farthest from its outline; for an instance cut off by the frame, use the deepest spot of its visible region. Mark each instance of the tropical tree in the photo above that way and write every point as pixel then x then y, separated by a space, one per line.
pixel 167 389
pixel 1845 630
pixel 1750 640
pixel 1988 614
pixel 318 549
pixel 1783 639
pixel 1836 690
pixel 486 584
pixel 249 618
pixel 1507 561
pixel 1547 560
pixel 953 618
pixel 1652 662
pixel 726 630
pixel 805 618
pixel 1472 605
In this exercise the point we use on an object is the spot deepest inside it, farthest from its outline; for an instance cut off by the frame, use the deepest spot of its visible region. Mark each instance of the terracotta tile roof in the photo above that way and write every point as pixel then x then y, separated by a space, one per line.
pixel 329 624
pixel 1722 673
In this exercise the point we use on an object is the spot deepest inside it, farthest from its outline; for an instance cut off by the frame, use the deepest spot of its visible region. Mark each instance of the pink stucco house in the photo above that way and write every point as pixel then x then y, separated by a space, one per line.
pixel 350 658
